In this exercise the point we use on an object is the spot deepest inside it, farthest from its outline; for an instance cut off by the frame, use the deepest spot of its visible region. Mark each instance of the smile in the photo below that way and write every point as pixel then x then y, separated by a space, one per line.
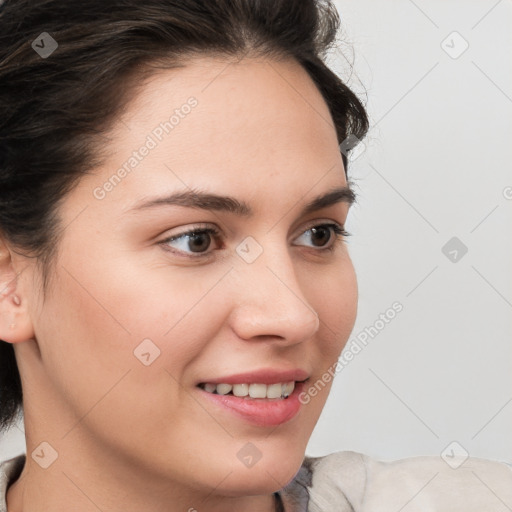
pixel 279 390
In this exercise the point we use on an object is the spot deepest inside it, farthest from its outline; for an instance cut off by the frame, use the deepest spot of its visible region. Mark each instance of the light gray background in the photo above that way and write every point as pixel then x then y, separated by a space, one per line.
pixel 436 165
pixel 437 161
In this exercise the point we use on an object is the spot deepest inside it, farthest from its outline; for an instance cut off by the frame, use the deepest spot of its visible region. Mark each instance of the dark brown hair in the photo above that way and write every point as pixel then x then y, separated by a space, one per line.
pixel 55 108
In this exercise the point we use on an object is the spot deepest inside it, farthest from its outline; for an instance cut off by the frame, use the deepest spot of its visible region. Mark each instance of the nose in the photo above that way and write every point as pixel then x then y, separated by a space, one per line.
pixel 270 302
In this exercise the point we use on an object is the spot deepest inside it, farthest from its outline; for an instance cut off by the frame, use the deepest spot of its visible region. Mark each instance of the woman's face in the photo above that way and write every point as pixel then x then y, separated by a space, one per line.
pixel 134 324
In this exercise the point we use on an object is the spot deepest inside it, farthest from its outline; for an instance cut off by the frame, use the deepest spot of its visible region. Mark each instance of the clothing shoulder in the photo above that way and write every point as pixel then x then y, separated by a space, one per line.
pixel 338 481
pixel 351 481
pixel 10 470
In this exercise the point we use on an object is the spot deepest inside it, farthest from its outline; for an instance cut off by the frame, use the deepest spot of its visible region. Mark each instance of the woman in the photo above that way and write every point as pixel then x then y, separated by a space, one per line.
pixel 158 374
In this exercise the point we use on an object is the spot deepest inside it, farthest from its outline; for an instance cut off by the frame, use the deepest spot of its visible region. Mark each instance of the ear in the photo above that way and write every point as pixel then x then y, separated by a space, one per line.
pixel 15 322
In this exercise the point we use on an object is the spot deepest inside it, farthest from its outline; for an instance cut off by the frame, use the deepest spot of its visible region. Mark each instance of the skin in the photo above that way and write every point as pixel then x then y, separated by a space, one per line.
pixel 132 437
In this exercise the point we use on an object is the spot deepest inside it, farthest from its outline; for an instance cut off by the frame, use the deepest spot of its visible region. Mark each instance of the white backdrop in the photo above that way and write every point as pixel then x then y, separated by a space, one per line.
pixel 437 165
pixel 436 170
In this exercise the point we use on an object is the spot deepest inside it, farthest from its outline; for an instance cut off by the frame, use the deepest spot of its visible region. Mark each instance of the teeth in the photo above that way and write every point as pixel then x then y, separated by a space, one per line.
pixel 223 389
pixel 274 390
pixel 254 390
pixel 258 391
pixel 240 389
pixel 210 387
pixel 288 388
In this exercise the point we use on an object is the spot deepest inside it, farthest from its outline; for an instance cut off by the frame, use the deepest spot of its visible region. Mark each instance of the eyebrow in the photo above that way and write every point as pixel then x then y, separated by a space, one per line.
pixel 209 201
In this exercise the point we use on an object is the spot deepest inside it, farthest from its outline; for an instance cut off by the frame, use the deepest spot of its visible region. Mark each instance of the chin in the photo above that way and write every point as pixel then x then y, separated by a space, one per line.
pixel 264 477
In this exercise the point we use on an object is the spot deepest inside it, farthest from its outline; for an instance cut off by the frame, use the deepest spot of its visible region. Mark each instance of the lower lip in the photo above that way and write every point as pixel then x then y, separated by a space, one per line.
pixel 264 412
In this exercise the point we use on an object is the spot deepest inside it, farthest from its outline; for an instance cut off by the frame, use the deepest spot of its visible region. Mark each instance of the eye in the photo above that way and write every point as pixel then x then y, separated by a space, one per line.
pixel 196 240
pixel 323 233
pixel 195 243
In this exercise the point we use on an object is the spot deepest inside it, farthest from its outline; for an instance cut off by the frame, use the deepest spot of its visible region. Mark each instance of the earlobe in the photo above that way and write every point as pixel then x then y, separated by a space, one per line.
pixel 15 321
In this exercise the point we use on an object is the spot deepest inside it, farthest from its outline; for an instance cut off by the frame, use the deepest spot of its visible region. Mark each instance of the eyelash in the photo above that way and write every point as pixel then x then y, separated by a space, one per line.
pixel 339 231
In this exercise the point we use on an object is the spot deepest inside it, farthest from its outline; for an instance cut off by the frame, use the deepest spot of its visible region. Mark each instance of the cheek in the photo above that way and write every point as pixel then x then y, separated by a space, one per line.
pixel 334 295
pixel 90 328
pixel 100 322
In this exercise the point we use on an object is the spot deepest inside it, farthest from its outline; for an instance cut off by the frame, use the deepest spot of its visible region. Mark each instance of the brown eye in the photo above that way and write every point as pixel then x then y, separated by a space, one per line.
pixel 322 235
pixel 195 241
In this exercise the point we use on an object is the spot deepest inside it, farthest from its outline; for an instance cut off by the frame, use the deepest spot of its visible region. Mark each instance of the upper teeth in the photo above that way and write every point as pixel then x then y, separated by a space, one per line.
pixel 281 389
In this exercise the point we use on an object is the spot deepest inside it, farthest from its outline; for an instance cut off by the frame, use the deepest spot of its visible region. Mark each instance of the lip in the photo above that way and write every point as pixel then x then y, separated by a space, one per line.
pixel 263 412
pixel 263 376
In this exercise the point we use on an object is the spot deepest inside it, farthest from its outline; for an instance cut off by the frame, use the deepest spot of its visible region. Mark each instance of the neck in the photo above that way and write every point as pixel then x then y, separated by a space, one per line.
pixel 93 478
pixel 63 487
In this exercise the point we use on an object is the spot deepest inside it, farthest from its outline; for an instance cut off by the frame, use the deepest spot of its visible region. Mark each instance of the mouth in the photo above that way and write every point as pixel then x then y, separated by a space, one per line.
pixel 260 404
pixel 250 391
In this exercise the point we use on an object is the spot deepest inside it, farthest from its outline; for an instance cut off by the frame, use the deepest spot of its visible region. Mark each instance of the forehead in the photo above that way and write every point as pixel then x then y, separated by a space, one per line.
pixel 253 98
pixel 219 124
